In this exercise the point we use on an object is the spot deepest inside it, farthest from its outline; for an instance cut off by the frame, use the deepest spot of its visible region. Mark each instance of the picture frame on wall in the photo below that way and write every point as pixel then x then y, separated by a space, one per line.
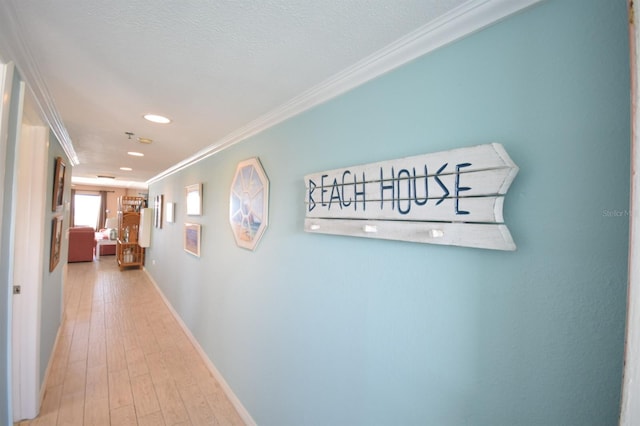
pixel 192 233
pixel 56 242
pixel 193 195
pixel 58 185
pixel 158 205
pixel 169 212
pixel 249 203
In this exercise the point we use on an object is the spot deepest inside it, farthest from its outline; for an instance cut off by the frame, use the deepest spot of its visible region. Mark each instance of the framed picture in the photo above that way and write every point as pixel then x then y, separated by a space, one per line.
pixel 249 203
pixel 170 210
pixel 194 199
pixel 158 204
pixel 192 238
pixel 58 185
pixel 56 241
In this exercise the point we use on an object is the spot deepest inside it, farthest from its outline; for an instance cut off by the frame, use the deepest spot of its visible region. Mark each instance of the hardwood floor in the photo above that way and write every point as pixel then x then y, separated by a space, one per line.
pixel 122 359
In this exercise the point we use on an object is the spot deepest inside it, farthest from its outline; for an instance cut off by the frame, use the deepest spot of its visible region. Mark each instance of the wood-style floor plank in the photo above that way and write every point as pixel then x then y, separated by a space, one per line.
pixel 119 389
pixel 171 404
pixel 124 416
pixel 122 359
pixel 144 395
pixel 154 419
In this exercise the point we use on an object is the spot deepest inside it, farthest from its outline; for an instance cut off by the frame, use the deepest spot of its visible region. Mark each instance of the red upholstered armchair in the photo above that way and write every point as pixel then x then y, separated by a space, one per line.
pixel 81 244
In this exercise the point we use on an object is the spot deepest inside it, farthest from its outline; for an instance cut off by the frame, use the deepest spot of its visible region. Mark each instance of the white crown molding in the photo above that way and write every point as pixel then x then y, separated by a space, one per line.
pixel 18 53
pixel 466 19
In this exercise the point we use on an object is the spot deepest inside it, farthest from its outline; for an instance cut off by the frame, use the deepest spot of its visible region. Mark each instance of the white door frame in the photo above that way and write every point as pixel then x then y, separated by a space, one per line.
pixel 630 401
pixel 6 79
pixel 7 118
pixel 6 85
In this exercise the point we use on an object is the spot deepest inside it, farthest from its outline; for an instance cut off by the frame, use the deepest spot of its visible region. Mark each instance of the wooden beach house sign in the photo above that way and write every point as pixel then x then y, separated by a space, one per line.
pixel 451 197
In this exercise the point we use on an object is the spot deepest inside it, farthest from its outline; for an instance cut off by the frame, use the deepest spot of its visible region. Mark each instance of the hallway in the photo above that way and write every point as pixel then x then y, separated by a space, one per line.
pixel 122 359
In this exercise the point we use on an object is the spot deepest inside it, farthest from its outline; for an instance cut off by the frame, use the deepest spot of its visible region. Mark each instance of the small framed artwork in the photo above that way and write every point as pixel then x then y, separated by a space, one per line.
pixel 249 203
pixel 169 212
pixel 158 204
pixel 194 199
pixel 56 242
pixel 192 238
pixel 58 184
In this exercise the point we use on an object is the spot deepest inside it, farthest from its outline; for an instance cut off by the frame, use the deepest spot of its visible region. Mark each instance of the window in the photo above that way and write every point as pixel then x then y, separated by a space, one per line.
pixel 87 209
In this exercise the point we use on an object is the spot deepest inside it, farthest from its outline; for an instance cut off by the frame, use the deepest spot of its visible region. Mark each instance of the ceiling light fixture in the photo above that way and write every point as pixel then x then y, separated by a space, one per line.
pixel 135 154
pixel 126 169
pixel 145 140
pixel 154 118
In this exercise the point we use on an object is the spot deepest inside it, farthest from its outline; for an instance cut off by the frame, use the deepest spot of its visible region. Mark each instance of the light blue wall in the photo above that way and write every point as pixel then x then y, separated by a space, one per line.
pixel 51 313
pixel 327 330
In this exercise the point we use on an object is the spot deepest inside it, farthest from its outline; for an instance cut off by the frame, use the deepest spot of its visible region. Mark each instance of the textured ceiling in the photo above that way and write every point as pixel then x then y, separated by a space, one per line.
pixel 212 65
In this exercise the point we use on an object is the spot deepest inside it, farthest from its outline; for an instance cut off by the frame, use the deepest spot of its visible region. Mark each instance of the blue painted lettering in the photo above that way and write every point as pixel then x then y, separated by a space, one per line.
pixel 344 201
pixel 459 188
pixel 408 199
pixel 312 187
pixel 335 194
pixel 384 187
pixel 405 189
pixel 322 190
pixel 426 188
pixel 356 193
pixel 439 182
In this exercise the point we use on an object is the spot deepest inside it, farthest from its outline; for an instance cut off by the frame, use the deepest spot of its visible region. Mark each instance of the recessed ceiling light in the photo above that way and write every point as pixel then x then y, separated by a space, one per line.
pixel 145 140
pixel 154 118
pixel 126 169
pixel 135 154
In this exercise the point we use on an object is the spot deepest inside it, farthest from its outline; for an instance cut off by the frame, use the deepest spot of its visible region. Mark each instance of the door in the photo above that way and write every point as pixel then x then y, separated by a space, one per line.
pixel 28 268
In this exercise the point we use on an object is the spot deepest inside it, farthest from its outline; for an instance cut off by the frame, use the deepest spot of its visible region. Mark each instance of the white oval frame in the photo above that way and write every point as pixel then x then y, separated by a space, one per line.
pixel 247 205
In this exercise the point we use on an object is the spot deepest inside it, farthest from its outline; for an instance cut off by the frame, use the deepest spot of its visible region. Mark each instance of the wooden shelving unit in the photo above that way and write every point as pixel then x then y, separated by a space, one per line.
pixel 128 252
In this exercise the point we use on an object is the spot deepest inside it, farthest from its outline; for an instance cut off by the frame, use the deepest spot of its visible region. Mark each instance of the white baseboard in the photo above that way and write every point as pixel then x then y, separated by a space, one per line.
pixel 47 372
pixel 242 411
